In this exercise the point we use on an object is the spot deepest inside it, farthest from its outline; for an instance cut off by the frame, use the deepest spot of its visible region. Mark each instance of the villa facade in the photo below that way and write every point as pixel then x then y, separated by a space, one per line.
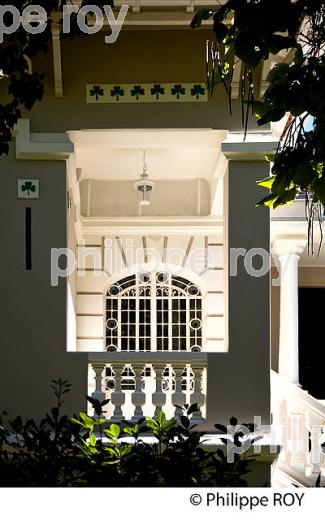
pixel 161 301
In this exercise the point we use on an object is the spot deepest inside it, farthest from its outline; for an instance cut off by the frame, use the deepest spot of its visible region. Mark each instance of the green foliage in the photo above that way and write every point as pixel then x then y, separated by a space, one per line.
pixel 200 16
pixel 89 451
pixel 43 454
pixel 250 31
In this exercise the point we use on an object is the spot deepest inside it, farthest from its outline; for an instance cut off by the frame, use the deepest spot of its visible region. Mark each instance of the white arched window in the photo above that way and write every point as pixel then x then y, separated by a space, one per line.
pixel 153 311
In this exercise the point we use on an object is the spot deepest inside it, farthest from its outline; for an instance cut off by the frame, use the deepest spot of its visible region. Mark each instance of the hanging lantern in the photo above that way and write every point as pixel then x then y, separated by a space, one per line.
pixel 144 187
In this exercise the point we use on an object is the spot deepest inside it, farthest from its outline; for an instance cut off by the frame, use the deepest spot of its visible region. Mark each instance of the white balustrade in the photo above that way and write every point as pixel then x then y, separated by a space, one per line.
pixel 299 420
pixel 140 385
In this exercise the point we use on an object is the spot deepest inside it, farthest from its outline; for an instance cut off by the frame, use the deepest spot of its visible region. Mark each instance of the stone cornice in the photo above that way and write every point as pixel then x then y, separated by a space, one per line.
pixel 41 147
pixel 253 148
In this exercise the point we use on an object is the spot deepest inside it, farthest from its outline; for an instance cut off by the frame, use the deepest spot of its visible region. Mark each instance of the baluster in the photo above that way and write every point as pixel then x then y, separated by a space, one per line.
pixel 316 457
pixel 178 397
pixel 281 420
pixel 118 397
pixel 297 437
pixel 98 394
pixel 138 396
pixel 197 397
pixel 158 397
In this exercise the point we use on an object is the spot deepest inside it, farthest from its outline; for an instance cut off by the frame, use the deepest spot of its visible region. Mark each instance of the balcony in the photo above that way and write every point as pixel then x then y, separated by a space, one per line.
pixel 143 384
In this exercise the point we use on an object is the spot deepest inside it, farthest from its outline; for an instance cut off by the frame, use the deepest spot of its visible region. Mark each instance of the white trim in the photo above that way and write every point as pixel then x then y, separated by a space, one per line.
pixel 32 146
pixel 57 61
pixel 253 148
pixel 217 190
pixel 148 357
pixel 288 228
pixel 152 226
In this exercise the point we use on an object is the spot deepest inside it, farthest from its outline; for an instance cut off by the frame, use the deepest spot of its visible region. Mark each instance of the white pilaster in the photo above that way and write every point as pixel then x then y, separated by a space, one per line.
pixel 289 251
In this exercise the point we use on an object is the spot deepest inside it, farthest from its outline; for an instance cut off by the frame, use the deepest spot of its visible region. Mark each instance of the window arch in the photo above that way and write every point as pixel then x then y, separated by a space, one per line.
pixel 153 311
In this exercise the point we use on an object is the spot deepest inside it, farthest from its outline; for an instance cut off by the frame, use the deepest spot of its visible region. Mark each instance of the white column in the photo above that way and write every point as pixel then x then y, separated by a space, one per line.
pixel 289 251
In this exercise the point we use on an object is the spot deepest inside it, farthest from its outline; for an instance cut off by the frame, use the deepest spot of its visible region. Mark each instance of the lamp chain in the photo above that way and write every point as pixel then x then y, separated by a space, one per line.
pixel 145 167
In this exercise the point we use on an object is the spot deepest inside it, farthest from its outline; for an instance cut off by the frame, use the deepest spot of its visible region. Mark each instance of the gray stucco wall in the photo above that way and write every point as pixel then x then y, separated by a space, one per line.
pixel 239 381
pixel 33 320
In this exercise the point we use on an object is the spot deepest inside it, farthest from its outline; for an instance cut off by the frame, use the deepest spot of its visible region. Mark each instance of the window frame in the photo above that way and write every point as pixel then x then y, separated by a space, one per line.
pixel 177 289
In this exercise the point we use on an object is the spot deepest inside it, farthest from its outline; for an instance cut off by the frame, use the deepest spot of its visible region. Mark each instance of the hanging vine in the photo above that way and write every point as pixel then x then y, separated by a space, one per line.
pixel 245 34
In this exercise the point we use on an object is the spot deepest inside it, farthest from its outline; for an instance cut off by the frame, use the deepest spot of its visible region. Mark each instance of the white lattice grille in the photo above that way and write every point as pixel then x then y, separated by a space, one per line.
pixel 153 311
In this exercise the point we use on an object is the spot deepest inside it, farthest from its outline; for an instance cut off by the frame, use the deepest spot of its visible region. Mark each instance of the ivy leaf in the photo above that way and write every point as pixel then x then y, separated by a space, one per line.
pixel 246 49
pixel 287 198
pixel 261 108
pixel 304 175
pixel 277 42
pixel 319 189
pixel 282 181
pixel 221 428
pixel 267 182
pixel 275 114
pixel 298 102
pixel 203 14
pixel 220 30
pixel 278 73
pixel 299 56
pixel 268 201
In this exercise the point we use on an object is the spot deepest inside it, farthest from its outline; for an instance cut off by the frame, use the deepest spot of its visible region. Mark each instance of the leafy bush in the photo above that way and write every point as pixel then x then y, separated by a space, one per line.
pixel 85 451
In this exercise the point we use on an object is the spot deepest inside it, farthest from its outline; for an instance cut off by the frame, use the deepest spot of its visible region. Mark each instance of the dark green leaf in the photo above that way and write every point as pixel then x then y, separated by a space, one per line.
pixel 233 421
pixel 246 49
pixel 221 428
pixel 203 14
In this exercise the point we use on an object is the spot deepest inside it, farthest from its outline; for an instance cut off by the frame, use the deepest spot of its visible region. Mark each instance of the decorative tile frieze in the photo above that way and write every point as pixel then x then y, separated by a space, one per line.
pixel 147 93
